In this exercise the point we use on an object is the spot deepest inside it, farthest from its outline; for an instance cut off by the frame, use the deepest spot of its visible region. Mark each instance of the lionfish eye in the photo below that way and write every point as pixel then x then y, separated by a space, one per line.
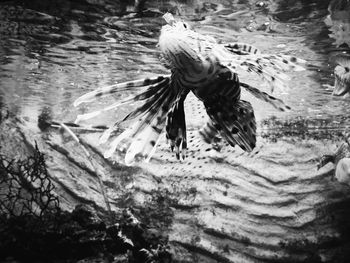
pixel 185 26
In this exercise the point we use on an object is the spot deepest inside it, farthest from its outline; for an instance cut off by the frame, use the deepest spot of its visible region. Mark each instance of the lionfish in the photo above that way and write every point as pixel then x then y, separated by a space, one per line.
pixel 209 70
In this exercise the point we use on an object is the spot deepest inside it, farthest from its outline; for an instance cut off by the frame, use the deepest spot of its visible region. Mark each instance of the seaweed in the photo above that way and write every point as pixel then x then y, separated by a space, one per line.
pixel 33 228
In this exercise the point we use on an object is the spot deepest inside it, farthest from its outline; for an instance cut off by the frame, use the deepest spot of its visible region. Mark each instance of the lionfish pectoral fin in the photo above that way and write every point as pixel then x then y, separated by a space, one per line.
pixel 241 48
pixel 235 122
pixel 144 144
pixel 119 87
pixel 151 88
pixel 273 78
pixel 140 140
pixel 93 114
pixel 271 68
pixel 113 146
pixel 176 126
pixel 275 102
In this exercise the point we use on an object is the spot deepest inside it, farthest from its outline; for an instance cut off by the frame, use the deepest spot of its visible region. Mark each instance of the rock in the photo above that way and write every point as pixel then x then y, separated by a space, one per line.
pixel 268 206
pixel 342 171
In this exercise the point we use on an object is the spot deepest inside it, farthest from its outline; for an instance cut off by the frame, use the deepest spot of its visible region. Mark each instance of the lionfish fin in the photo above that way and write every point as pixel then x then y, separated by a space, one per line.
pixel 209 133
pixel 119 87
pixel 107 133
pixel 140 140
pixel 275 102
pixel 176 125
pixel 270 68
pixel 233 118
pixel 235 122
pixel 241 48
pixel 90 115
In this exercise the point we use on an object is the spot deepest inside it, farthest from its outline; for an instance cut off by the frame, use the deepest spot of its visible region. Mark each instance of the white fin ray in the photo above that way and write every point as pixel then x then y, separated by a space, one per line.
pixel 141 138
pixel 114 144
pixel 275 102
pixel 107 133
pixel 270 68
pixel 119 87
pixel 141 147
pixel 90 115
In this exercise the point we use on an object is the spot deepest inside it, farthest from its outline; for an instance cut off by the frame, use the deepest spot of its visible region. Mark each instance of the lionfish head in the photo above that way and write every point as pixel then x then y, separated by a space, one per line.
pixel 178 43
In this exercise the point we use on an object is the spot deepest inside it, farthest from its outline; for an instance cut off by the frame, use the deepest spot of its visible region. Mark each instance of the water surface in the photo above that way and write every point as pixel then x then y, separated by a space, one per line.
pixel 52 53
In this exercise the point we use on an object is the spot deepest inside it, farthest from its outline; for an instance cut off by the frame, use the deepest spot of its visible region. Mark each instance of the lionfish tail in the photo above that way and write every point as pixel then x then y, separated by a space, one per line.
pixel 234 121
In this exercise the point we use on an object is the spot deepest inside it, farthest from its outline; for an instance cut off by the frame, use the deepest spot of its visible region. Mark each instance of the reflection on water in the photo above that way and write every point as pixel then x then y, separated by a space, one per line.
pixel 51 53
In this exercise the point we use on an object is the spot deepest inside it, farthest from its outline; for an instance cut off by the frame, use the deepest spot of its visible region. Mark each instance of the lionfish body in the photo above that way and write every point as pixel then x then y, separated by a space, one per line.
pixel 209 70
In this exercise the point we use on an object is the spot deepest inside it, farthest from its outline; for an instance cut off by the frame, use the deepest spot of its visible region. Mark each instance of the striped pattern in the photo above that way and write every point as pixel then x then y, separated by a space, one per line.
pixel 210 70
pixel 275 102
pixel 119 88
pixel 209 132
pixel 241 48
pixel 176 126
pixel 187 53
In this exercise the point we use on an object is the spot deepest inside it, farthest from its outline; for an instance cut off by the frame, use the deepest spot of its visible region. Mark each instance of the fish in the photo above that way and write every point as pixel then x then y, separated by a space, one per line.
pixel 201 70
pixel 342 75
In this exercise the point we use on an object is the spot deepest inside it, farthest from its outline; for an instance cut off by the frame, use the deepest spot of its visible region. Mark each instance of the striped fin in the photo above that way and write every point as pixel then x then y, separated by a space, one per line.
pixel 150 103
pixel 149 92
pixel 233 118
pixel 241 48
pixel 140 140
pixel 235 122
pixel 144 143
pixel 119 87
pixel 176 126
pixel 107 133
pixel 209 132
pixel 275 102
pixel 273 78
pixel 125 135
pixel 271 68
pixel 153 103
pixel 286 62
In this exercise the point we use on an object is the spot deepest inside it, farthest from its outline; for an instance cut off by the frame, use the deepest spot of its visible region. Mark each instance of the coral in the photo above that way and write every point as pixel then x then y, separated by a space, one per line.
pixel 34 228
pixel 26 188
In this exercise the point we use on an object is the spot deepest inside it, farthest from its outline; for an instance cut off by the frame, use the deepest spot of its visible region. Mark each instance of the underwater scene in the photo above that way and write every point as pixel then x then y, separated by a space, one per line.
pixel 175 131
